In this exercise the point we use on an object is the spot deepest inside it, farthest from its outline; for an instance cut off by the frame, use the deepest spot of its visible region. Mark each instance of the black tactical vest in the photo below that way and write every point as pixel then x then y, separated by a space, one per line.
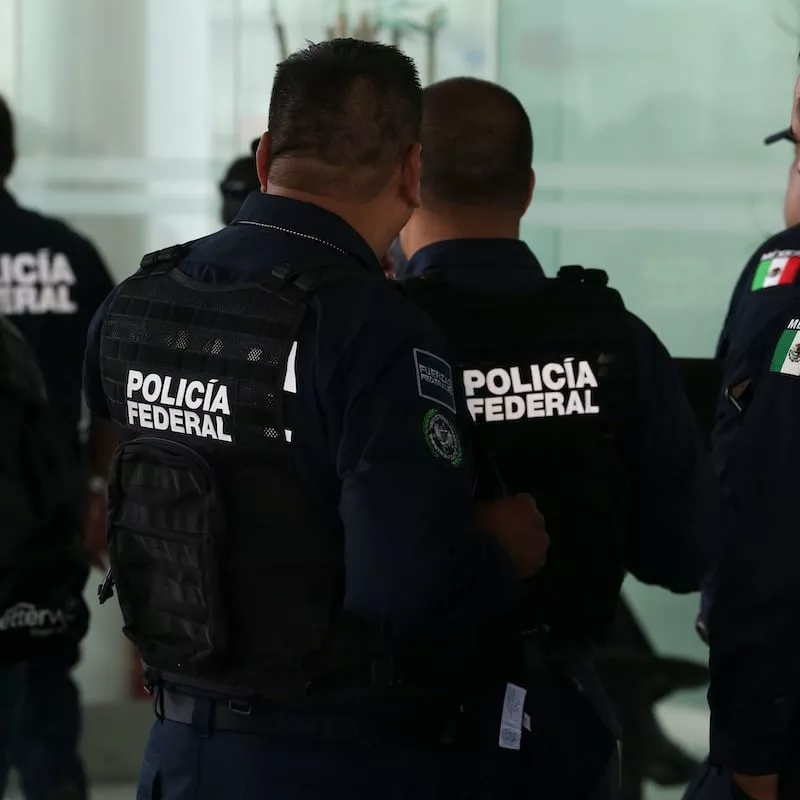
pixel 227 576
pixel 548 379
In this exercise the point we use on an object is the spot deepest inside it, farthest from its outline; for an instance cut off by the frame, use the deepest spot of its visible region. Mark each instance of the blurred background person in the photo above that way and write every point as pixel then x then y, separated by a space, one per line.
pixel 52 280
pixel 241 178
pixel 43 563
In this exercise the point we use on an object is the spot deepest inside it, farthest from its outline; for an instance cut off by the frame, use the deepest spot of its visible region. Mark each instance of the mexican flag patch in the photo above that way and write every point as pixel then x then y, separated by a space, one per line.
pixel 787 354
pixel 776 269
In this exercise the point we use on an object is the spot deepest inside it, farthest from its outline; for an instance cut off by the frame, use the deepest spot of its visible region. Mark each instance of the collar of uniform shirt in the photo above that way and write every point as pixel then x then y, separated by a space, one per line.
pixel 305 220
pixel 495 254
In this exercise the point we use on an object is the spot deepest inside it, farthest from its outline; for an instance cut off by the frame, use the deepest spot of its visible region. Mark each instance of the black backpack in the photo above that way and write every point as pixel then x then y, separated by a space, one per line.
pixel 43 564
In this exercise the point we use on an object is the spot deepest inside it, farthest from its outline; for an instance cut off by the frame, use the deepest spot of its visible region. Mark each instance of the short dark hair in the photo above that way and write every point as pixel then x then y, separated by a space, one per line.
pixel 6 139
pixel 343 112
pixel 477 145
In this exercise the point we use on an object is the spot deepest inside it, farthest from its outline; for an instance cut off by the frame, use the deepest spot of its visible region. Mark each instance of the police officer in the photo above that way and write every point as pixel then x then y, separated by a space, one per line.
pixel 291 530
pixel 752 621
pixel 751 305
pixel 576 400
pixel 42 558
pixel 761 291
pixel 51 282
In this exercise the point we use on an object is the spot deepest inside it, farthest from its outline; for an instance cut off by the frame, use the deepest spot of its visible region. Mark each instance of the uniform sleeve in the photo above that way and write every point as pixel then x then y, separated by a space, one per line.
pixel 675 493
pixel 92 379
pixel 97 282
pixel 755 617
pixel 414 561
pixel 742 286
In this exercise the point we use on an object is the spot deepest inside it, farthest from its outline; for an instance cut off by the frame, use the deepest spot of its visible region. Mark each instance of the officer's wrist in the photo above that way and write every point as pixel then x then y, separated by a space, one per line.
pixel 97 485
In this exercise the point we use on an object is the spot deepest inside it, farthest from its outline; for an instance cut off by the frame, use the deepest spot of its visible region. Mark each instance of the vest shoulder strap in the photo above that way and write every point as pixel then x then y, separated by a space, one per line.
pixel 588 286
pixel 574 273
pixel 165 259
pixel 575 288
pixel 295 283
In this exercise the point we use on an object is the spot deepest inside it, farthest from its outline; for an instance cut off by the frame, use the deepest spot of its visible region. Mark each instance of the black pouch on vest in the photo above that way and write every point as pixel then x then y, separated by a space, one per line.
pixel 166 526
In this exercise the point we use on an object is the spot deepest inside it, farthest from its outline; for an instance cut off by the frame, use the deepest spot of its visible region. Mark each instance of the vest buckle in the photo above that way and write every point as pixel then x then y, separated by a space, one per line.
pixel 283 272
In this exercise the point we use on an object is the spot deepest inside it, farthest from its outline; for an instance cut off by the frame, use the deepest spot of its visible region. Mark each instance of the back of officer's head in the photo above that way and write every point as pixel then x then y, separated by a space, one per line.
pixel 477 145
pixel 344 124
pixel 6 140
pixel 477 149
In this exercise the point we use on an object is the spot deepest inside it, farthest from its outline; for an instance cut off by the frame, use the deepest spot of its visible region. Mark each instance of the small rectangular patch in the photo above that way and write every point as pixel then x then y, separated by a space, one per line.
pixel 776 269
pixel 786 358
pixel 435 379
pixel 513 717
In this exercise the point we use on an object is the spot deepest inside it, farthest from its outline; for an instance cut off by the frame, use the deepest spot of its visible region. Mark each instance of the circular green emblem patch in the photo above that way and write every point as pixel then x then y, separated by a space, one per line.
pixel 442 438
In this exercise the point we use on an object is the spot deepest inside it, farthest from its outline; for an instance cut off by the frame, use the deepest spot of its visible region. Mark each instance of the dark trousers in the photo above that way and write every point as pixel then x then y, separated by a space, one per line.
pixel 585 736
pixel 46 749
pixel 12 696
pixel 569 744
pixel 195 762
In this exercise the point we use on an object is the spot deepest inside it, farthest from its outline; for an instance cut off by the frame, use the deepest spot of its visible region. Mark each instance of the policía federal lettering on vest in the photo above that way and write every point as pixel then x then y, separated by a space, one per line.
pixel 190 407
pixel 36 283
pixel 560 388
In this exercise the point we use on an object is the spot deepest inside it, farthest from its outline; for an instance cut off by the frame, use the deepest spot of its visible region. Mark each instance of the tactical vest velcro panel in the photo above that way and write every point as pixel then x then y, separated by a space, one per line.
pixel 224 569
pixel 548 379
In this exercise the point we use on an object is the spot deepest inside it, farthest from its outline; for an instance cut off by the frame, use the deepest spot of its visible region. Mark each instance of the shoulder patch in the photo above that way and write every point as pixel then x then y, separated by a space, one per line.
pixel 777 268
pixel 786 358
pixel 434 379
pixel 441 436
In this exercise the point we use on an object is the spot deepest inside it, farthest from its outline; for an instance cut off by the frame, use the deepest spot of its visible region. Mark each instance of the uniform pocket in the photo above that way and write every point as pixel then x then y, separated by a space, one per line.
pixel 167 530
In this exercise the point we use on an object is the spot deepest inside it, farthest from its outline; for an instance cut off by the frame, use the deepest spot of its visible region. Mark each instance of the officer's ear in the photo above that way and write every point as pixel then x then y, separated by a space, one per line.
pixel 262 161
pixel 410 175
pixel 531 187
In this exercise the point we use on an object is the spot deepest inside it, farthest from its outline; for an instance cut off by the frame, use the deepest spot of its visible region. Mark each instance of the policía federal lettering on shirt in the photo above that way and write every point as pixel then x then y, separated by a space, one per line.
pixel 559 388
pixel 191 407
pixel 36 283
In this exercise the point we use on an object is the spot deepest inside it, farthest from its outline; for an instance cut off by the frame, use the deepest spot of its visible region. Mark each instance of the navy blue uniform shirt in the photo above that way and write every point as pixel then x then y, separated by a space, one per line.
pixel 413 560
pixel 674 489
pixel 752 307
pixel 755 617
pixel 52 281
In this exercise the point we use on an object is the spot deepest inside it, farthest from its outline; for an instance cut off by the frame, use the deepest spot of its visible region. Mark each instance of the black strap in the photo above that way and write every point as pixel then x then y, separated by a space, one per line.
pixel 167 258
pixel 433 726
pixel 244 717
pixel 294 283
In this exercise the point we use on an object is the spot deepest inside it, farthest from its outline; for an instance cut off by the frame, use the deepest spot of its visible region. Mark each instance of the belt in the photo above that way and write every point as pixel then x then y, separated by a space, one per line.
pixel 241 717
pixel 234 715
